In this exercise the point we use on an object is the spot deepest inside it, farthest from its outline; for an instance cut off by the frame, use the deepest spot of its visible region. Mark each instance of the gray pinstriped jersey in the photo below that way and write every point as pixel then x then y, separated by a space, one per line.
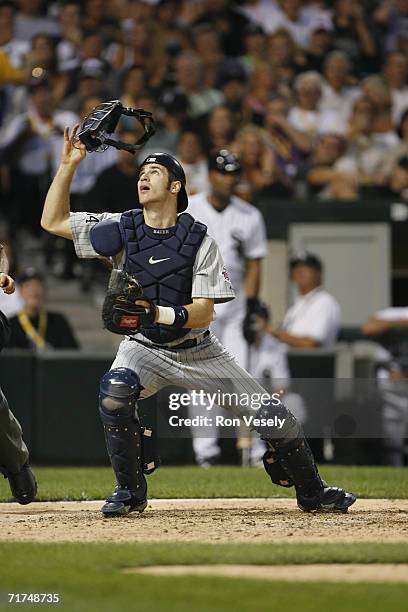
pixel 210 278
pixel 208 366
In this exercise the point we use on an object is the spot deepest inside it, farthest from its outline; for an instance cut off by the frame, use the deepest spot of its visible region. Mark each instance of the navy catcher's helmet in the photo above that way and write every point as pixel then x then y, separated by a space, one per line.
pixel 224 161
pixel 174 166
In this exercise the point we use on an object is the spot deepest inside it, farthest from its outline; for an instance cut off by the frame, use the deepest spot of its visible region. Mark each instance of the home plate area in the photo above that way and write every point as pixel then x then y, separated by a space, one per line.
pixel 206 521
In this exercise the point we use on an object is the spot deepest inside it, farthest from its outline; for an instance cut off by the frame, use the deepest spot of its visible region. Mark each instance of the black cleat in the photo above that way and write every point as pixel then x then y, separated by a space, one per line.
pixel 330 499
pixel 23 485
pixel 122 502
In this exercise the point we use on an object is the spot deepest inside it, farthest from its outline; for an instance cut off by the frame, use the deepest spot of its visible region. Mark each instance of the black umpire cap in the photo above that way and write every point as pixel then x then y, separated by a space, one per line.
pixel 173 166
pixel 224 161
pixel 306 258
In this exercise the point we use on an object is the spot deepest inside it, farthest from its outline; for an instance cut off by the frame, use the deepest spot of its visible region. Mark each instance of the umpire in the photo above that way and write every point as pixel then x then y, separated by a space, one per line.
pixel 13 452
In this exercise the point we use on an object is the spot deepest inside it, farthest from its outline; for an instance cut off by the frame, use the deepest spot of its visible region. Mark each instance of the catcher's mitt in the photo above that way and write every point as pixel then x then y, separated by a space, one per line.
pixel 120 312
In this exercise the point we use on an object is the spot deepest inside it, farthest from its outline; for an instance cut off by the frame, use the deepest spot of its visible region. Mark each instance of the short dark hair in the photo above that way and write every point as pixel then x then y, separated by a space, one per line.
pixel 172 177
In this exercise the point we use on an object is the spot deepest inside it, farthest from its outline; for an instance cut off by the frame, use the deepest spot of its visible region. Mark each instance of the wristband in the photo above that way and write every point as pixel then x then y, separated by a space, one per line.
pixel 181 316
pixel 165 315
pixel 176 316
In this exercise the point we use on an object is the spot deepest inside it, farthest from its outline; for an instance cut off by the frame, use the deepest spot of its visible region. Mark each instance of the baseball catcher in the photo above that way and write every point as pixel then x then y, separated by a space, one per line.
pixel 167 340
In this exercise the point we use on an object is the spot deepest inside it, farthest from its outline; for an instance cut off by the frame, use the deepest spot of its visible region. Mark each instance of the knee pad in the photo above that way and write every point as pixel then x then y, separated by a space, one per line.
pixel 119 390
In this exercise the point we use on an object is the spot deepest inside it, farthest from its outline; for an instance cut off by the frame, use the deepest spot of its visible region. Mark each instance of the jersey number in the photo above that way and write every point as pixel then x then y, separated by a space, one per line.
pixel 92 219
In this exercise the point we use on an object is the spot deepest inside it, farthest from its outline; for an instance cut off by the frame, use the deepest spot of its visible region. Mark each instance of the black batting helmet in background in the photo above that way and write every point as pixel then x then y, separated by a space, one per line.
pixel 224 161
pixel 174 166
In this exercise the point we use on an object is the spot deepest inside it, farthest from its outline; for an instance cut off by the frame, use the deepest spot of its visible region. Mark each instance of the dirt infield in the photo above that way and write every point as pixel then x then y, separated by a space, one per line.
pixel 205 520
pixel 335 572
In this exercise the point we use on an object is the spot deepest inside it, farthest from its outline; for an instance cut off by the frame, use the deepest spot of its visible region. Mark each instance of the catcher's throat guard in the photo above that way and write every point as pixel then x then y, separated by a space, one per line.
pixel 102 121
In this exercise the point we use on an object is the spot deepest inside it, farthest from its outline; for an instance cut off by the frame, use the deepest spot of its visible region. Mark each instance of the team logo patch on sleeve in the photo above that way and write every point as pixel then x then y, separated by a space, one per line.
pixel 225 274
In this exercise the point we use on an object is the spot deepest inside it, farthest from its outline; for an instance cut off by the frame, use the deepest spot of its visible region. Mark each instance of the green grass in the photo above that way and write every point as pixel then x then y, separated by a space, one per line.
pixel 230 481
pixel 88 577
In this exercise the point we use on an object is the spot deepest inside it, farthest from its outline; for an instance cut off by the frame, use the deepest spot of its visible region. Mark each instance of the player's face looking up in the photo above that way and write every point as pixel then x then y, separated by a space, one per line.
pixel 306 278
pixel 155 185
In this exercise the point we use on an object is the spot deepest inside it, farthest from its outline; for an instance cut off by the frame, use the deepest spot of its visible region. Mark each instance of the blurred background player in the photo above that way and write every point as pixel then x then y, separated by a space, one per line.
pixel 253 70
pixel 268 360
pixel 315 317
pixel 268 363
pixel 239 230
pixel 34 327
pixel 391 369
pixel 312 321
pixel 13 451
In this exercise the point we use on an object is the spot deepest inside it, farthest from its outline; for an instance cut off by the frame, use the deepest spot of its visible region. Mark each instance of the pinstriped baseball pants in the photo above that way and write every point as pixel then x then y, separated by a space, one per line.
pixel 209 364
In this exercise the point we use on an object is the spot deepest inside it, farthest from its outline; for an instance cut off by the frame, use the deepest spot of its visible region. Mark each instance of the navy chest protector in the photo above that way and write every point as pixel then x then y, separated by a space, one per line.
pixel 161 259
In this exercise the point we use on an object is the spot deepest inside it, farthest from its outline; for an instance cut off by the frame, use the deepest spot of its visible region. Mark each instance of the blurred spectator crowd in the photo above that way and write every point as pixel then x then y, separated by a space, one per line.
pixel 312 95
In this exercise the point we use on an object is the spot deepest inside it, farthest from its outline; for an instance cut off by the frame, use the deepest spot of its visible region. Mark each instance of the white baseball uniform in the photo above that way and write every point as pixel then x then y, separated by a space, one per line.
pixel 268 364
pixel 239 231
pixel 317 315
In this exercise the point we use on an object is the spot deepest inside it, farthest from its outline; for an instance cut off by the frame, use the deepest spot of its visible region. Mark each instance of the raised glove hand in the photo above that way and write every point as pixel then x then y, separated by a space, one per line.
pixel 125 310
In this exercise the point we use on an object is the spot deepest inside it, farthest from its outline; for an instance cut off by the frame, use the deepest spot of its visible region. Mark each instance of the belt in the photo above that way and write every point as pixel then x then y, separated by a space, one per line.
pixel 187 344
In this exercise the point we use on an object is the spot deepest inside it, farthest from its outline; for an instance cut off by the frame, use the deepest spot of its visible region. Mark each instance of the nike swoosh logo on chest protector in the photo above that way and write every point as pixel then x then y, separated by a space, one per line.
pixel 153 261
